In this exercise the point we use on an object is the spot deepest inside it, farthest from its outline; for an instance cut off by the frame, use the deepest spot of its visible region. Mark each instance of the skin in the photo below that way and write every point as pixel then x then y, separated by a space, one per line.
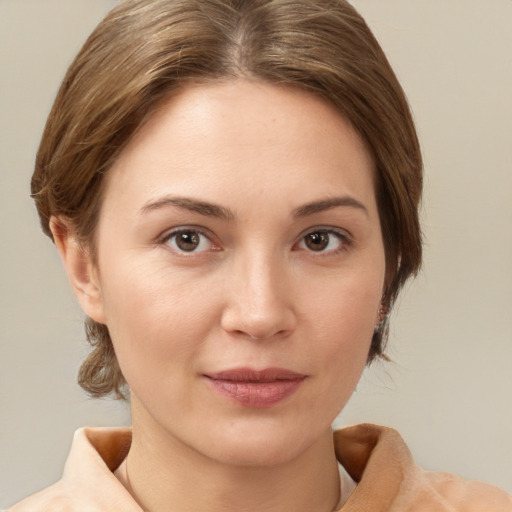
pixel 252 293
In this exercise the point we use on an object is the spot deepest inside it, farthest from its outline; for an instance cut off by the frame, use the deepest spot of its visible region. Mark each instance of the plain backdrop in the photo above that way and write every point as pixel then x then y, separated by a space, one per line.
pixel 449 388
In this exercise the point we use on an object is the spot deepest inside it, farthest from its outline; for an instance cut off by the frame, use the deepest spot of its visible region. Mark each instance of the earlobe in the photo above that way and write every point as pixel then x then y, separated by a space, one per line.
pixel 79 266
pixel 382 314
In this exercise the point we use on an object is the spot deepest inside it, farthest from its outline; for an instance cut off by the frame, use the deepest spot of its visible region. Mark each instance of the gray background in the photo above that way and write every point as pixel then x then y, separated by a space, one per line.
pixel 449 389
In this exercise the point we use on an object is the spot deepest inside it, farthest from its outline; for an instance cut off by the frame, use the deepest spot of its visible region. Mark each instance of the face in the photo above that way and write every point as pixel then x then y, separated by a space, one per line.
pixel 240 268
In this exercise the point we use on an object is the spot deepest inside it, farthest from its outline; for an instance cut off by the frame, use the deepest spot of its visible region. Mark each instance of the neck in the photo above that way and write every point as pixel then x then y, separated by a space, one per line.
pixel 163 474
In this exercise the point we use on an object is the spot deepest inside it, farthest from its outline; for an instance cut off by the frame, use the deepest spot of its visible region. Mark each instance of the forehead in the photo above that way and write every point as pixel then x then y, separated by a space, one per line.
pixel 263 138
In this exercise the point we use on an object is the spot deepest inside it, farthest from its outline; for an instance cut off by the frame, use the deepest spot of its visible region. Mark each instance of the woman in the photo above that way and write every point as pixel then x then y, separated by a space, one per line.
pixel 233 188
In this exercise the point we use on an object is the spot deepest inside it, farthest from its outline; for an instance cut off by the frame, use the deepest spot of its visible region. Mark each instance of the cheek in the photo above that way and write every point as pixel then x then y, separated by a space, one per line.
pixel 348 303
pixel 347 340
pixel 156 318
pixel 345 319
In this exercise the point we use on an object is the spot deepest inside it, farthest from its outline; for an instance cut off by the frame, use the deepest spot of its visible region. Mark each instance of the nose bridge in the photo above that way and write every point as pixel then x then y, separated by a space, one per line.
pixel 259 303
pixel 260 273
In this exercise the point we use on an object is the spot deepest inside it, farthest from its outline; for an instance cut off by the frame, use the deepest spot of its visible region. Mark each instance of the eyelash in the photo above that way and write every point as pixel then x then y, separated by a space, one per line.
pixel 343 237
pixel 170 235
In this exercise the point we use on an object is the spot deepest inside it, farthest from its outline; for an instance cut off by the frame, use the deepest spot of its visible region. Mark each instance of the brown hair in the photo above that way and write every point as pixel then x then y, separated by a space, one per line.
pixel 146 49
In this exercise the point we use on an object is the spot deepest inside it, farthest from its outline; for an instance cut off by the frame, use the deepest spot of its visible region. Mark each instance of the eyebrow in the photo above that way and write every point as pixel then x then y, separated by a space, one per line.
pixel 328 204
pixel 193 205
pixel 213 210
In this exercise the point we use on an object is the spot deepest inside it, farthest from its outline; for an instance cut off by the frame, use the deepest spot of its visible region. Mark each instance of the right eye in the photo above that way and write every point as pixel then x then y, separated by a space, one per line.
pixel 188 241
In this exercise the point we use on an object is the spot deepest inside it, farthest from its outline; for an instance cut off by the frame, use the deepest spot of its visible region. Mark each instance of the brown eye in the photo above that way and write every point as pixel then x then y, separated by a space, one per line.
pixel 324 241
pixel 317 241
pixel 188 241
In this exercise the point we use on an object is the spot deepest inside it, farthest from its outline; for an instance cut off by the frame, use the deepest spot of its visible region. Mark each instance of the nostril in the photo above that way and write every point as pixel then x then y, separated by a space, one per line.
pixel 260 337
pixel 245 334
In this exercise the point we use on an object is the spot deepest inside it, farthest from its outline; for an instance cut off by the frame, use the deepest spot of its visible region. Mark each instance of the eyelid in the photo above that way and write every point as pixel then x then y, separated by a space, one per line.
pixel 344 236
pixel 169 233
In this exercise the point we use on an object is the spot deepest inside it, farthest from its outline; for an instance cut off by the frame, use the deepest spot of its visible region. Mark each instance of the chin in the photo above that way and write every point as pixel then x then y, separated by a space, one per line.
pixel 260 445
pixel 263 455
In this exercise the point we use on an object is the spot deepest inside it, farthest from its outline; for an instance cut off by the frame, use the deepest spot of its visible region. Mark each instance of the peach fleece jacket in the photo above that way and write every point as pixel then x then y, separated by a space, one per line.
pixel 375 457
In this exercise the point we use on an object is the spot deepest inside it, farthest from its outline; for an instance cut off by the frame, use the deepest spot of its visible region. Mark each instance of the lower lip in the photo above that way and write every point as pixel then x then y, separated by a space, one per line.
pixel 258 395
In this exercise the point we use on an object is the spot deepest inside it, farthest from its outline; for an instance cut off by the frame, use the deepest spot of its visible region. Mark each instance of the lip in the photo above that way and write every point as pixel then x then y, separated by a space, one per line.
pixel 256 388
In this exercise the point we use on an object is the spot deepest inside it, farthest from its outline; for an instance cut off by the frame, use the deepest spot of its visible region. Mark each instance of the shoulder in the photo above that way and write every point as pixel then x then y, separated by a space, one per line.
pixel 466 495
pixel 379 461
pixel 88 483
pixel 51 499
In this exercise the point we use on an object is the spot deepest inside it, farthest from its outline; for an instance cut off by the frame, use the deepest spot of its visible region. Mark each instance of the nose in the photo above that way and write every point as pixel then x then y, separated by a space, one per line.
pixel 259 302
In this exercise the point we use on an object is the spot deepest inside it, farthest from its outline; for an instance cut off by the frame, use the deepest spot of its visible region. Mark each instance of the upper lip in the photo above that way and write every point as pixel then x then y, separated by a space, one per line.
pixel 251 375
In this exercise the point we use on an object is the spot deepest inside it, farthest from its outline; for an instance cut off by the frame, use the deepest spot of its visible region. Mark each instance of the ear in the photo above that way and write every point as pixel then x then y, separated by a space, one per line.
pixel 79 266
pixel 382 314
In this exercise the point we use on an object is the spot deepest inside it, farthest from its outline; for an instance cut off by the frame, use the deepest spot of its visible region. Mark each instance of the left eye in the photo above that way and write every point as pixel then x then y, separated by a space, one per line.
pixel 322 240
pixel 188 240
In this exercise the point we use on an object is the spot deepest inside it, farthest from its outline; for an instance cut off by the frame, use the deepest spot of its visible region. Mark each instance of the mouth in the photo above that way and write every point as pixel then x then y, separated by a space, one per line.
pixel 256 388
